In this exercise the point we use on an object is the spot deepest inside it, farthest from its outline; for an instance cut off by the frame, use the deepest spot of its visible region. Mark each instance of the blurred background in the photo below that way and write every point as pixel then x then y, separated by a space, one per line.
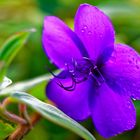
pixel 18 15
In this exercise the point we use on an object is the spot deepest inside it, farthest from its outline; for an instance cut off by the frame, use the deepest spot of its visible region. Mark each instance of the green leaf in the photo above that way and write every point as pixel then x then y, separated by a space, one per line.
pixel 6 82
pixel 26 85
pixel 10 48
pixel 53 114
pixel 5 130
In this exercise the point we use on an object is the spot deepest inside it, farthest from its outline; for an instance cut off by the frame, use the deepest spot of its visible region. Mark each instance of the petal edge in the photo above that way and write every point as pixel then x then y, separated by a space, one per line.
pixel 96 32
pixel 73 103
pixel 59 42
pixel 122 71
pixel 112 113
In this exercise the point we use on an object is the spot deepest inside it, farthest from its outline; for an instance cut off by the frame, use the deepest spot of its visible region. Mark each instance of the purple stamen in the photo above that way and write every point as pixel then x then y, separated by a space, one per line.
pixel 80 71
pixel 56 76
pixel 68 88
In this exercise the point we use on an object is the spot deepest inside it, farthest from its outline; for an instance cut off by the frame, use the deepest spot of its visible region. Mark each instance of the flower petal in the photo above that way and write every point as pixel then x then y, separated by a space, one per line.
pixel 96 32
pixel 73 103
pixel 112 113
pixel 122 71
pixel 60 43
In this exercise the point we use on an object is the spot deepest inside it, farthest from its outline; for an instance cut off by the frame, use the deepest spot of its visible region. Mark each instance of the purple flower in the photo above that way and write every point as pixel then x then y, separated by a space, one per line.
pixel 99 78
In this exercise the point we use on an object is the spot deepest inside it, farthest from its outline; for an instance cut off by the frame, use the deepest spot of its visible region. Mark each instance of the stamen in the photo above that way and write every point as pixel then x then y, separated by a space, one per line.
pixel 56 76
pixel 68 88
pixel 79 71
pixel 80 81
pixel 89 60
pixel 95 73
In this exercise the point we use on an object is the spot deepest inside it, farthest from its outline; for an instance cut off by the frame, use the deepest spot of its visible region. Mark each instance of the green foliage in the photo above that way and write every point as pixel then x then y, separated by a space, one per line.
pixel 53 114
pixel 10 48
pixel 46 110
pixel 5 130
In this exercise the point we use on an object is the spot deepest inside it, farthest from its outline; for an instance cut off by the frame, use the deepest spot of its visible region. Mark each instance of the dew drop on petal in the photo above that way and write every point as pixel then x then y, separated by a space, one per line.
pixel 85 27
pixel 113 59
pixel 137 66
pixel 89 33
pixel 129 123
pixel 129 61
pixel 101 35
pixel 136 61
pixel 129 104
pixel 82 30
pixel 133 84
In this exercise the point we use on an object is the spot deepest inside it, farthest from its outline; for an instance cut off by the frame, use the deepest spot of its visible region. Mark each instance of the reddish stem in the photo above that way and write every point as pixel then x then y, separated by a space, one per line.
pixel 22 130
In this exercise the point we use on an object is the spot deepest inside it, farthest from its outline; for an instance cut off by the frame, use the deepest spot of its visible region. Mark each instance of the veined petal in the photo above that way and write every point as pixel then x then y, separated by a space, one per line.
pixel 112 113
pixel 73 103
pixel 122 71
pixel 60 43
pixel 95 30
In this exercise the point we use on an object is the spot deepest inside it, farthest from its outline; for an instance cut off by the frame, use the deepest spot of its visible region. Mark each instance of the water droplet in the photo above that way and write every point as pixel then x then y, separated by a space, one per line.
pixel 129 104
pixel 134 84
pixel 129 61
pixel 85 27
pixel 137 66
pixel 101 35
pixel 82 30
pixel 113 59
pixel 129 123
pixel 133 58
pixel 89 33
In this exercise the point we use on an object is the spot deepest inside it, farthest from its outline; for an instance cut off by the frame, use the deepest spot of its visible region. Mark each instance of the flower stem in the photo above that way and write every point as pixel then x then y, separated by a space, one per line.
pixel 13 118
pixel 8 115
pixel 23 112
pixel 23 129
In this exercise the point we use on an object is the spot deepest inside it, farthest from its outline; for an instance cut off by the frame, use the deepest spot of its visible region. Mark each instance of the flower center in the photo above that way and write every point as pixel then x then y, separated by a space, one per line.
pixel 81 70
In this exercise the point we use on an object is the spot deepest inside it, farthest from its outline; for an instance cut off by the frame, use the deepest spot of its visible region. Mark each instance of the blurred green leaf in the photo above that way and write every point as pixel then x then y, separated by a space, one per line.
pixel 10 48
pixel 5 130
pixel 53 114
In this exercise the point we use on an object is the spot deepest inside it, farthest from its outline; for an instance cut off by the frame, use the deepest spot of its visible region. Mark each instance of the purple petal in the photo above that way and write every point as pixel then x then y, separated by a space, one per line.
pixel 94 28
pixel 60 43
pixel 73 103
pixel 112 113
pixel 122 71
